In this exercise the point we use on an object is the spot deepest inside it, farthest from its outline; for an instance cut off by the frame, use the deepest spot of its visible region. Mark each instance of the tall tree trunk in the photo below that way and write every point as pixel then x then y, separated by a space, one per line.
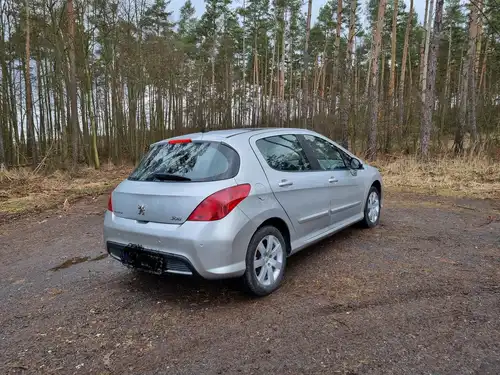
pixel 93 126
pixel 4 102
pixel 392 79
pixel 382 77
pixel 305 94
pixel 265 86
pixel 353 108
pixel 324 61
pixel 14 125
pixel 84 149
pixel 476 52
pixel 282 72
pixel 422 48
pixel 346 87
pixel 444 103
pixel 292 102
pixel 22 141
pixel 426 125
pixel 271 78
pixel 368 72
pixel 255 91
pixel 467 69
pixel 107 125
pixel 4 126
pixel 30 126
pixel 132 94
pixel 479 38
pixel 472 108
pixel 381 92
pixel 3 130
pixel 229 104
pixel 49 92
pixel 374 104
pixel 72 83
pixel 401 107
pixel 41 108
pixel 336 68
pixel 244 72
pixel 428 32
pixel 483 68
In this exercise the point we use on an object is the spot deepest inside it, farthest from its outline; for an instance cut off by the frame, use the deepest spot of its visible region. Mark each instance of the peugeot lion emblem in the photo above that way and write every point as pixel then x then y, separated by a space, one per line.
pixel 142 209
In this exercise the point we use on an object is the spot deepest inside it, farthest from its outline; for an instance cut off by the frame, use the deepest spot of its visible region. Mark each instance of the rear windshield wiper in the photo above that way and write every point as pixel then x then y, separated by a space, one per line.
pixel 167 177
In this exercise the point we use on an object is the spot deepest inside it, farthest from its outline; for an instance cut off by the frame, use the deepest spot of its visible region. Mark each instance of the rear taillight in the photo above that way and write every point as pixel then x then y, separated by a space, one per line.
pixel 110 203
pixel 220 204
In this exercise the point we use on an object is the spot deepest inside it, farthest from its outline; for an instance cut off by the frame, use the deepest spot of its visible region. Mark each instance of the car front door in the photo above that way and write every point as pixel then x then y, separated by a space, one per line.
pixel 303 193
pixel 346 189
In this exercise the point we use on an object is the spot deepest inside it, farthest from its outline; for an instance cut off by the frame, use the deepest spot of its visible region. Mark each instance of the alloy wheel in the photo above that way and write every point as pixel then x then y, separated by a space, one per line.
pixel 268 260
pixel 373 206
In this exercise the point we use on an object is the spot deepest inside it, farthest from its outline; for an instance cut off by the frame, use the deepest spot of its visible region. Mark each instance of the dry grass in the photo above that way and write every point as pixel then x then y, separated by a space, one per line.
pixel 22 191
pixel 473 177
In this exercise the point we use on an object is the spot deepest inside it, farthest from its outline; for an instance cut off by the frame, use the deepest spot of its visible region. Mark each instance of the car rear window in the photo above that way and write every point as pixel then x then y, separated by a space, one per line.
pixel 196 161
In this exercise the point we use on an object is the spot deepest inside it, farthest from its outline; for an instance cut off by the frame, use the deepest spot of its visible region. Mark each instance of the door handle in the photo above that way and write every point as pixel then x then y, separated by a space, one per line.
pixel 284 183
pixel 332 180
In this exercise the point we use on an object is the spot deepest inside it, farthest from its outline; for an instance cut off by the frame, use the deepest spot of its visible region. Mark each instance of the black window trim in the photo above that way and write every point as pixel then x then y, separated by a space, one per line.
pixel 344 154
pixel 309 154
pixel 316 167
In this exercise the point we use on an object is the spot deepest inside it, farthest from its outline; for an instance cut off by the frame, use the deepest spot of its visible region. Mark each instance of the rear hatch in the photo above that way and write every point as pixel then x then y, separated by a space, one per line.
pixel 173 179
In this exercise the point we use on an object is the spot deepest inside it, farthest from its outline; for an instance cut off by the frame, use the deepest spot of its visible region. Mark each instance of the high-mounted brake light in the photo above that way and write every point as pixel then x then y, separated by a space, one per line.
pixel 177 141
pixel 220 204
pixel 110 203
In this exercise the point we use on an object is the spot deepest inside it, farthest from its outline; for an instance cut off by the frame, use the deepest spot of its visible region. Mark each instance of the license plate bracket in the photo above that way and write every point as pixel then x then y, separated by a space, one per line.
pixel 138 257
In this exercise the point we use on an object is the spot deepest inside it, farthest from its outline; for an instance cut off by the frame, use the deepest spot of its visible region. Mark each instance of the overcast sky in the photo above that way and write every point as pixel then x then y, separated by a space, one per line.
pixel 175 5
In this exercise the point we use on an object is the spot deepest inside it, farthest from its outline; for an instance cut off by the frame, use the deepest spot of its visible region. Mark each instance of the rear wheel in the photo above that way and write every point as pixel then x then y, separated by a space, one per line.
pixel 372 208
pixel 265 261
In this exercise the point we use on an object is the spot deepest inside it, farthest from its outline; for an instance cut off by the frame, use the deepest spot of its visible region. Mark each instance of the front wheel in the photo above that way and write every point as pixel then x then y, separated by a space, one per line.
pixel 265 261
pixel 372 208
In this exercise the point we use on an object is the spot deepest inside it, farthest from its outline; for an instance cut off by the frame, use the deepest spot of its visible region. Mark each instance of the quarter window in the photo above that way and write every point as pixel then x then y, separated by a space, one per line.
pixel 284 153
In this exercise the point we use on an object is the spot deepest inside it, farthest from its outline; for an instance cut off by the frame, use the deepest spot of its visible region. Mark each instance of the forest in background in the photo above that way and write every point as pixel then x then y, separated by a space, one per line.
pixel 90 80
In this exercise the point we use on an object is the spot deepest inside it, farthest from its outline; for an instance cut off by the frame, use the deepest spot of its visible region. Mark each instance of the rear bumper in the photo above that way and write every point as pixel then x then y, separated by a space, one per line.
pixel 175 264
pixel 213 250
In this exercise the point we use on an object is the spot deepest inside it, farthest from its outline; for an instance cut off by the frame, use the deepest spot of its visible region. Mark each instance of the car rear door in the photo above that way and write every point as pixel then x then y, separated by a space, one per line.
pixel 346 187
pixel 302 191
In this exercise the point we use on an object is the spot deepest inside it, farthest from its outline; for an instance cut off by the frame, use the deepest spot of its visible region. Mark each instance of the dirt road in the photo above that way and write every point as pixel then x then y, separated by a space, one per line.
pixel 420 294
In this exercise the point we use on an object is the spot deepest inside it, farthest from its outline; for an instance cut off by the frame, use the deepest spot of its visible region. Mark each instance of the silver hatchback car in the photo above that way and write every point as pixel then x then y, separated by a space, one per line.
pixel 237 203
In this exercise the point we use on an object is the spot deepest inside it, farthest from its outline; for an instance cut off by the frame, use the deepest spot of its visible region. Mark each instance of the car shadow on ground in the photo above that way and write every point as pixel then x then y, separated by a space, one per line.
pixel 195 292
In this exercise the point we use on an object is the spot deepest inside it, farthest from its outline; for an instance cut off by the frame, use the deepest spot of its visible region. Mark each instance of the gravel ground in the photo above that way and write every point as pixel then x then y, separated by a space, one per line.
pixel 420 294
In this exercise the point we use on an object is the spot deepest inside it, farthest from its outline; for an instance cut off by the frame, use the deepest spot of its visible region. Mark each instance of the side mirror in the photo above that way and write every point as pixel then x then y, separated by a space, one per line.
pixel 355 164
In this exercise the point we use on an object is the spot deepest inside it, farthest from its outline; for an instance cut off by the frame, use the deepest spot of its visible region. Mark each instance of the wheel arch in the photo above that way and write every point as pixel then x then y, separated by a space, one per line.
pixel 377 184
pixel 282 226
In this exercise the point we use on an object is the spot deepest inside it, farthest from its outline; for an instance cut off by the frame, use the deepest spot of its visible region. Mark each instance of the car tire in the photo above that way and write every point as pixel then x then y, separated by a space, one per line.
pixel 372 208
pixel 267 247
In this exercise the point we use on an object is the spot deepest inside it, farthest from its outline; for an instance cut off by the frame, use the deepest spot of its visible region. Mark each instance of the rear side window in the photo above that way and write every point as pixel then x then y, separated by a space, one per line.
pixel 195 161
pixel 284 153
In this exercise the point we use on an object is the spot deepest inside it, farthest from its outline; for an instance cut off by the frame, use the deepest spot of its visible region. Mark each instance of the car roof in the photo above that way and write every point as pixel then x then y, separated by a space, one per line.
pixel 237 135
pixel 219 135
